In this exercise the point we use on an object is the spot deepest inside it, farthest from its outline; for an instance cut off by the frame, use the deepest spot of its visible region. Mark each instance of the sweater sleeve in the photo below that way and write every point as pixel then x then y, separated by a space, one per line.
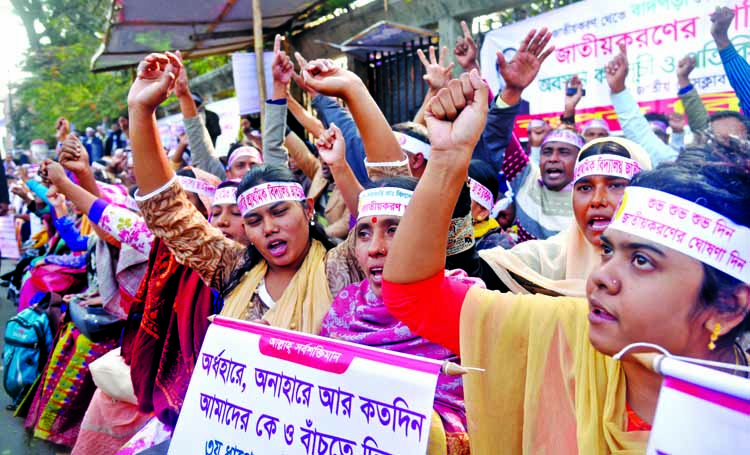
pixel 70 233
pixel 38 189
pixel 430 308
pixel 738 72
pixel 636 128
pixel 122 224
pixel 201 147
pixel 329 111
pixel 274 129
pixel 497 134
pixel 694 109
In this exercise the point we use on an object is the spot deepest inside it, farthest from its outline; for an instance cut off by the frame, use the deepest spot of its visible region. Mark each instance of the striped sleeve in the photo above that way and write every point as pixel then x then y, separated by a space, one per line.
pixel 738 72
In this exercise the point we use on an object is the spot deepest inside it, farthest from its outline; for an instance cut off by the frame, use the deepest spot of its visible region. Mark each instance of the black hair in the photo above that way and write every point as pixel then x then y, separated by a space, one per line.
pixel 485 174
pixel 604 148
pixel 414 130
pixel 720 115
pixel 716 177
pixel 398 181
pixel 228 183
pixel 258 175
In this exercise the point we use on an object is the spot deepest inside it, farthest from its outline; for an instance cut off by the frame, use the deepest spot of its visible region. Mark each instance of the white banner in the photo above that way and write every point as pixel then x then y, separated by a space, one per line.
pixel 246 80
pixel 658 33
pixel 700 412
pixel 262 390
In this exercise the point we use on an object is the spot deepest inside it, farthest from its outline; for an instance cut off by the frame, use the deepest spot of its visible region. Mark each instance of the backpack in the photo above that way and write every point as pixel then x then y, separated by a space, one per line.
pixel 28 341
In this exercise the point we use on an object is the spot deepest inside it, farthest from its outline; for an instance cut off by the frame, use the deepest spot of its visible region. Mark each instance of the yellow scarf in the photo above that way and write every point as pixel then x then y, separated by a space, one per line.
pixel 545 389
pixel 483 227
pixel 302 306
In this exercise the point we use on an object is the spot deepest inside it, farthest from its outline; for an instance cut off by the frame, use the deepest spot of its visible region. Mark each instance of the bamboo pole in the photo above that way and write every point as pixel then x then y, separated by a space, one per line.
pixel 259 64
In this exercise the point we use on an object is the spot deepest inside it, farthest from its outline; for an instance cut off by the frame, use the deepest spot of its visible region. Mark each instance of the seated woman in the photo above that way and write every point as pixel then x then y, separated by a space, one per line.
pixel 286 274
pixel 358 314
pixel 560 264
pixel 550 383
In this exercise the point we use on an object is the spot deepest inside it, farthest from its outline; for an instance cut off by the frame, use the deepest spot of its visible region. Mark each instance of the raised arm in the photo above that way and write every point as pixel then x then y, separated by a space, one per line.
pixel 436 74
pixel 697 115
pixel 633 123
pixel 736 67
pixel 466 51
pixel 327 78
pixel 332 148
pixel 518 74
pixel 571 101
pixel 454 118
pixel 202 150
pixel 164 205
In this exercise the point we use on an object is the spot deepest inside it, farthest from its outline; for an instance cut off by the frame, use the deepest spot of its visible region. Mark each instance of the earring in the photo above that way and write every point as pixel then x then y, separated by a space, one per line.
pixel 714 336
pixel 312 222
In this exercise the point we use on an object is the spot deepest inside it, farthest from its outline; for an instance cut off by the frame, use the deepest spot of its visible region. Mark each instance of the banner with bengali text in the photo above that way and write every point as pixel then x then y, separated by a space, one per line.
pixel 262 390
pixel 586 35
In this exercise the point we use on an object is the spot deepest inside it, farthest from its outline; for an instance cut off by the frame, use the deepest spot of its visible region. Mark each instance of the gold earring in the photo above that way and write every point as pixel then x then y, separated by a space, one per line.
pixel 714 336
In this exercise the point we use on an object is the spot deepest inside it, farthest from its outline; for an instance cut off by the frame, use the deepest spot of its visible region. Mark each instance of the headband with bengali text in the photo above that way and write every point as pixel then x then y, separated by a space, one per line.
pixel 536 123
pixel 245 152
pixel 563 135
pixel 686 227
pixel 481 194
pixel 387 201
pixel 225 196
pixel 413 145
pixel 595 123
pixel 196 186
pixel 607 164
pixel 269 193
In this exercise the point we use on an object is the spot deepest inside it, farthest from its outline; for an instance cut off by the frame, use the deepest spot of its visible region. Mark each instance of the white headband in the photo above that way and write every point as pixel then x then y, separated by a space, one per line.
pixel 196 186
pixel 245 152
pixel 502 204
pixel 481 194
pixel 536 122
pixel 565 136
pixel 607 164
pixel 413 145
pixel 225 196
pixel 383 202
pixel 595 123
pixel 686 227
pixel 269 193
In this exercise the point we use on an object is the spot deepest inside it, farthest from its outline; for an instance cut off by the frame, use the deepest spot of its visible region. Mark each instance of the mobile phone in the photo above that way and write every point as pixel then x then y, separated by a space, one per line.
pixel 571 91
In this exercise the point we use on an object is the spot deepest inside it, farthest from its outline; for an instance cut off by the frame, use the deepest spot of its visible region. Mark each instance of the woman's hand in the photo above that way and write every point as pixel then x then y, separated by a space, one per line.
pixel 325 77
pixel 181 86
pixel 436 74
pixel 73 156
pixel 53 173
pixel 332 147
pixel 455 119
pixel 156 79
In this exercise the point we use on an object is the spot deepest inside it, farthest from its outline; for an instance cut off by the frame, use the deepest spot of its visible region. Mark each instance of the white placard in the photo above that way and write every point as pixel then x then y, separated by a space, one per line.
pixel 246 80
pixel 262 390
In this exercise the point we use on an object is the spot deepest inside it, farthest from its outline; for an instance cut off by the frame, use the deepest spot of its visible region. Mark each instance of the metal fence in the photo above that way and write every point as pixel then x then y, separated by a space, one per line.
pixel 395 79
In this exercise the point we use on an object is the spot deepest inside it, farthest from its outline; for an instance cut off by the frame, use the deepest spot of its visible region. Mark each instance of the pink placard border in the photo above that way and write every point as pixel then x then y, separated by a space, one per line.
pixel 376 355
pixel 718 398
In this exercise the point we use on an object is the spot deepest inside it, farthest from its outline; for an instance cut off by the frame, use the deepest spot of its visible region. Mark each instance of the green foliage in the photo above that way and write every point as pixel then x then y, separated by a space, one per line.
pixel 61 85
pixel 204 65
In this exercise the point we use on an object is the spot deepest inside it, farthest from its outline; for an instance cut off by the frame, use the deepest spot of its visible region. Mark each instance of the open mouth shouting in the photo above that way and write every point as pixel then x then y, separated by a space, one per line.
pixel 277 248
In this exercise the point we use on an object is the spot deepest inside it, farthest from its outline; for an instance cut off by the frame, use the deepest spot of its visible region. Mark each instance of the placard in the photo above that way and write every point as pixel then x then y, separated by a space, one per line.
pixel 586 35
pixel 246 80
pixel 700 411
pixel 262 390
